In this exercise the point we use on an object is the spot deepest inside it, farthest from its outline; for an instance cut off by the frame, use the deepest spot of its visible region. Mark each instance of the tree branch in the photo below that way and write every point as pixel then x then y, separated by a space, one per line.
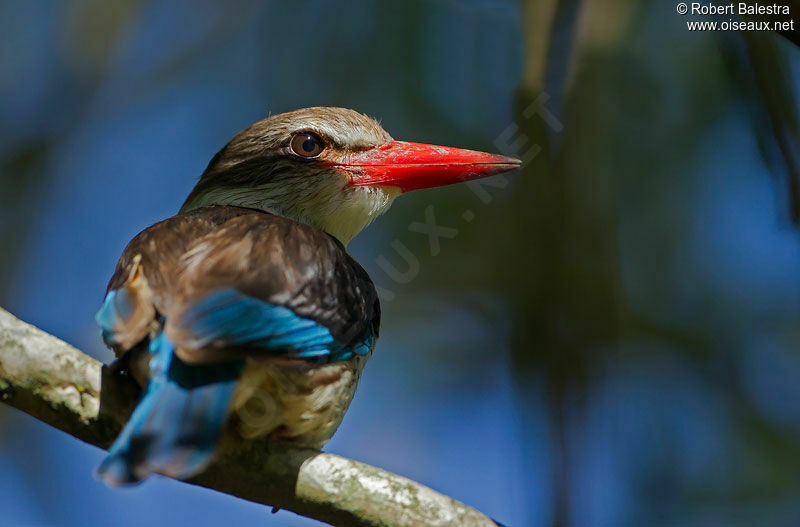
pixel 58 384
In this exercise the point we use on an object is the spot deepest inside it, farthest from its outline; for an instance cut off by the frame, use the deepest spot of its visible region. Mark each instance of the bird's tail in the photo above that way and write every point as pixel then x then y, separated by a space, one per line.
pixel 176 426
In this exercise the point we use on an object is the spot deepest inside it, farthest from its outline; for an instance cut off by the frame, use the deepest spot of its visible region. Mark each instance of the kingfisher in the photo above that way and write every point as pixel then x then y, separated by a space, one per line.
pixel 244 312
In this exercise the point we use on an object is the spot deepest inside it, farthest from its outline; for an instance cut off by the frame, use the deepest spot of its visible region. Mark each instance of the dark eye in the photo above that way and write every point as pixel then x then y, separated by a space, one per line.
pixel 307 144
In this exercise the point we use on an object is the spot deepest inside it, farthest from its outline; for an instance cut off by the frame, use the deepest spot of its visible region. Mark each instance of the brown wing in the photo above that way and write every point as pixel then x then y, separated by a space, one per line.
pixel 185 260
pixel 139 289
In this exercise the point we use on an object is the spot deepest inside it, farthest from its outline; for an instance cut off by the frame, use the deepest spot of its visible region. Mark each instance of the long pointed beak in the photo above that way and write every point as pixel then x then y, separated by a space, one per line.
pixel 412 166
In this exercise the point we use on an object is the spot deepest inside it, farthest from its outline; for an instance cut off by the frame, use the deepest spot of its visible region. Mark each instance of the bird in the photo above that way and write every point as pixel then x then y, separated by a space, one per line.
pixel 244 313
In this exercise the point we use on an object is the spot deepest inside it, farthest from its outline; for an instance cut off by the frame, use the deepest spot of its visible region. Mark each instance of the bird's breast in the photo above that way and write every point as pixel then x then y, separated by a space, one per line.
pixel 294 400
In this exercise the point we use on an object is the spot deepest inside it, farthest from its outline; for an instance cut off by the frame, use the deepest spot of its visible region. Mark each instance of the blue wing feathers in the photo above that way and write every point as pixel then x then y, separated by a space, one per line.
pixel 229 317
pixel 175 428
pixel 117 308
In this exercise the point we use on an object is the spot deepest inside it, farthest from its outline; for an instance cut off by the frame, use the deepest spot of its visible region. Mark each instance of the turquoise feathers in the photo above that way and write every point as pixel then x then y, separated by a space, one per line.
pixel 176 426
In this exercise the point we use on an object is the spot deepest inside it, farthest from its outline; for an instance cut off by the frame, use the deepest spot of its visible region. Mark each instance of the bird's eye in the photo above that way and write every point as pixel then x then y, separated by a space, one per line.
pixel 307 144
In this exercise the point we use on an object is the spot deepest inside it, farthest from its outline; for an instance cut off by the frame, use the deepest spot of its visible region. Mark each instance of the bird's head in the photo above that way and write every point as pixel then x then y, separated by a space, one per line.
pixel 332 168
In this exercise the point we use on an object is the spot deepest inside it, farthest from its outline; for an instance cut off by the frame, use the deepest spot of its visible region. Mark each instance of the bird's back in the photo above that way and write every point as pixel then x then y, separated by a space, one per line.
pixel 263 318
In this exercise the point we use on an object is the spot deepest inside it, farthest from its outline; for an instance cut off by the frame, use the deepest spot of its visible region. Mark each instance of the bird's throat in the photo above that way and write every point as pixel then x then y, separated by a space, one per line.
pixel 341 212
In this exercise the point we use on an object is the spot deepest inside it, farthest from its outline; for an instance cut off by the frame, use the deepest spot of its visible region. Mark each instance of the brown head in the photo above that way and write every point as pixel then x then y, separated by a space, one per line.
pixel 332 168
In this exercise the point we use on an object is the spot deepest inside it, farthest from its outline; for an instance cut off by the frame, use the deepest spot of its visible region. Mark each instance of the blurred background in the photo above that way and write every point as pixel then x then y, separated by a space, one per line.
pixel 609 338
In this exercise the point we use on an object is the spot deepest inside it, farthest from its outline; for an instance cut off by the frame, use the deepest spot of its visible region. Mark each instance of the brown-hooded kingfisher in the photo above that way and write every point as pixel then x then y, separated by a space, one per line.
pixel 248 297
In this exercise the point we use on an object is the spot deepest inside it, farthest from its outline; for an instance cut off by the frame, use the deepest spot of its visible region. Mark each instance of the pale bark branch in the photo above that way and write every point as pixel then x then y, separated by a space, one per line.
pixel 58 384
